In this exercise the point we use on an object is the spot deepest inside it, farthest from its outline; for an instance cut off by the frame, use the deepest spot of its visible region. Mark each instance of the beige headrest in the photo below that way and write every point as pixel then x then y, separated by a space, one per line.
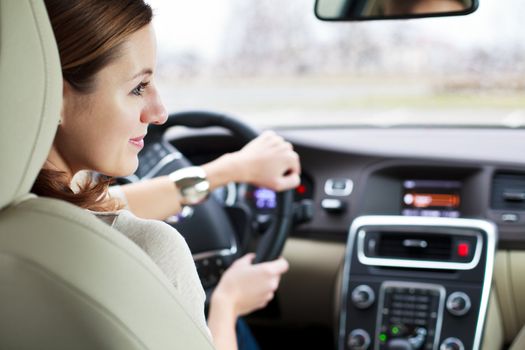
pixel 30 94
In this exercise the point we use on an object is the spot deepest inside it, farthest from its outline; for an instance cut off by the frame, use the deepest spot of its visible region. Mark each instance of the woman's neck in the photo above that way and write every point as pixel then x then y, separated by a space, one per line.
pixel 55 161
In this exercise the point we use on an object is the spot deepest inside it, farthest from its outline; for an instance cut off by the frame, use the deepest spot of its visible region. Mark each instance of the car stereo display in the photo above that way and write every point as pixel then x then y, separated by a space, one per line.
pixel 434 198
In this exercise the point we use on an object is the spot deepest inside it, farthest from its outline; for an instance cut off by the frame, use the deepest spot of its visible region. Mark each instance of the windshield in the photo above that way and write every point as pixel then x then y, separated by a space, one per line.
pixel 272 63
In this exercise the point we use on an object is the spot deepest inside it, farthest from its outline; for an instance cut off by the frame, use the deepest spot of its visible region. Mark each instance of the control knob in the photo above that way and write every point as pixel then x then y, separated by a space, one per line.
pixel 458 303
pixel 358 340
pixel 452 344
pixel 363 296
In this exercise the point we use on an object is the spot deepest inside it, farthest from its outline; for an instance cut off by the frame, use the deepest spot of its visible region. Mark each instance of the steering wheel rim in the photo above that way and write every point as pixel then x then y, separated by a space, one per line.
pixel 271 244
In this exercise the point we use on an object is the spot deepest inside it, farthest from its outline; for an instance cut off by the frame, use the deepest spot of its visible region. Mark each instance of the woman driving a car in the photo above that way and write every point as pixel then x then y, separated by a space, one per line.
pixel 107 52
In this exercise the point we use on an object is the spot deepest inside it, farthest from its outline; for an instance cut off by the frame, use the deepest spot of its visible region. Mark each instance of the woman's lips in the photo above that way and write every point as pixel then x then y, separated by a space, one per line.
pixel 138 141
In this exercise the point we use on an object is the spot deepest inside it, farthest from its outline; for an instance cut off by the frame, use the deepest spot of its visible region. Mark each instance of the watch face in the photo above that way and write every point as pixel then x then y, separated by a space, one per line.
pixel 192 184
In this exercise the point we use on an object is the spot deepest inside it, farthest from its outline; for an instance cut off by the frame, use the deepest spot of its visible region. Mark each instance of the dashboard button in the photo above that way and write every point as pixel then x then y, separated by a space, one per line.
pixel 338 187
pixel 510 217
pixel 334 206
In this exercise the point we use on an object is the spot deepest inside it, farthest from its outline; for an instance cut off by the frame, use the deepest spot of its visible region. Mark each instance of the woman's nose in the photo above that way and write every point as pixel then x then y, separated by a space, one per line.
pixel 155 112
pixel 161 114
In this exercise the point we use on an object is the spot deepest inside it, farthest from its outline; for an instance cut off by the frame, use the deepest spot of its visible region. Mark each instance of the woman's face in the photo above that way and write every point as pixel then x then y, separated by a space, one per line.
pixel 396 7
pixel 104 129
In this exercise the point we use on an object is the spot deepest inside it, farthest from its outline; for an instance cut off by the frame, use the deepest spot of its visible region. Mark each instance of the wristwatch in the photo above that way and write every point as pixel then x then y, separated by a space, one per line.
pixel 192 184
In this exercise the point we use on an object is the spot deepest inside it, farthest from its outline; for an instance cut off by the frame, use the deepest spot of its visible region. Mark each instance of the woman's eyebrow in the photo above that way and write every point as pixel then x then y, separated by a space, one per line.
pixel 145 71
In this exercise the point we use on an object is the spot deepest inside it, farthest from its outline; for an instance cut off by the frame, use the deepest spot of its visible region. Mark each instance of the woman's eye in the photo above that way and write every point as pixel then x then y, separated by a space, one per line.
pixel 139 89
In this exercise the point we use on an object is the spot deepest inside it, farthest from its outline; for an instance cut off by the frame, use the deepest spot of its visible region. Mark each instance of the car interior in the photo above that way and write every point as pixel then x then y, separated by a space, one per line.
pixel 402 238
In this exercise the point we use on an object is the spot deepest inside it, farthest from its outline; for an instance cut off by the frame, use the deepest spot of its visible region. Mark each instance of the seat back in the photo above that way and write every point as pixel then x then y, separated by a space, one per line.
pixel 67 280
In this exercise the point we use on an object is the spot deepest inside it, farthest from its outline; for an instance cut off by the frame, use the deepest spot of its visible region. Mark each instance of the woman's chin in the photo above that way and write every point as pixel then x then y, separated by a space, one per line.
pixel 128 168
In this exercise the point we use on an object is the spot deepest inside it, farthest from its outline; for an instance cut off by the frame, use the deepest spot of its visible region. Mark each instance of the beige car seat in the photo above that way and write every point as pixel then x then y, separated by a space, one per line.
pixel 67 281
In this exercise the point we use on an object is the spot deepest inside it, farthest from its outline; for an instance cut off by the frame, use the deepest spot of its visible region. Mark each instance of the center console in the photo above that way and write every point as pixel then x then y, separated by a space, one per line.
pixel 412 283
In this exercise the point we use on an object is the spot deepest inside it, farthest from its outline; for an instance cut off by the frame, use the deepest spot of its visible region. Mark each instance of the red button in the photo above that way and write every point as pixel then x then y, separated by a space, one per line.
pixel 463 249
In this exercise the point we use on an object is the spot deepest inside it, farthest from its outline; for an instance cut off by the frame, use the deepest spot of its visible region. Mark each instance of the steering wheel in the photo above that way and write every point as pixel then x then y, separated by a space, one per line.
pixel 210 230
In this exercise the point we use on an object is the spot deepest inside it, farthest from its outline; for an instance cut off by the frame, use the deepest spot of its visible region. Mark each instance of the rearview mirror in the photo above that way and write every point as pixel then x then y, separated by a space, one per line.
pixel 358 10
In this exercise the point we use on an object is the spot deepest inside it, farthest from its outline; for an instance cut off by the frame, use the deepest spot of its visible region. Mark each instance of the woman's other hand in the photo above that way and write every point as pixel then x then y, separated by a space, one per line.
pixel 246 287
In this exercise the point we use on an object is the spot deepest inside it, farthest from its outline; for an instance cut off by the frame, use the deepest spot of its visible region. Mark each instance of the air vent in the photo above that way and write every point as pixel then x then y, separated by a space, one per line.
pixel 414 246
pixel 417 246
pixel 417 242
pixel 508 192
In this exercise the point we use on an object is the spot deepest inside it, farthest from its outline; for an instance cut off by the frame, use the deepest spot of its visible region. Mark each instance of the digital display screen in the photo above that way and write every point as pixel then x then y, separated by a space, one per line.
pixel 436 198
pixel 265 198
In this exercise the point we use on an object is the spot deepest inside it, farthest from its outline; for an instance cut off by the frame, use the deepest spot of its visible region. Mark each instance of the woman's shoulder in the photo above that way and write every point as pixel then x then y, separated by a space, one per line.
pixel 134 227
pixel 127 218
pixel 144 232
pixel 158 239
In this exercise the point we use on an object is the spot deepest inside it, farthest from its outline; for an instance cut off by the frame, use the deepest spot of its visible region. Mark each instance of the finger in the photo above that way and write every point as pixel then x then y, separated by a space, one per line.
pixel 262 304
pixel 275 140
pixel 283 265
pixel 246 259
pixel 278 266
pixel 274 284
pixel 269 296
pixel 295 164
pixel 288 182
pixel 267 134
pixel 286 146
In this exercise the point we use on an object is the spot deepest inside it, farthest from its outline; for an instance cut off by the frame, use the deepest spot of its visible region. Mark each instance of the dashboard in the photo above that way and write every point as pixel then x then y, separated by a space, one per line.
pixel 412 172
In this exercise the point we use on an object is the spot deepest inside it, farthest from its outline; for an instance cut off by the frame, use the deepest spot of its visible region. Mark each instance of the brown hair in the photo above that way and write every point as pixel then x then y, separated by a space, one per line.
pixel 89 35
pixel 91 192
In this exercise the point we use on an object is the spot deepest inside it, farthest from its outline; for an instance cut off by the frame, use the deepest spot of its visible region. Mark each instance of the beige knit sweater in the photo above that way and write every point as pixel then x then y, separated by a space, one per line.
pixel 168 249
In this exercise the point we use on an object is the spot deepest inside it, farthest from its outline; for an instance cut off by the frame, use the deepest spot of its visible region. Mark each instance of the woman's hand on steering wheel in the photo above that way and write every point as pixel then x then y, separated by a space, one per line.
pixel 269 161
pixel 246 287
